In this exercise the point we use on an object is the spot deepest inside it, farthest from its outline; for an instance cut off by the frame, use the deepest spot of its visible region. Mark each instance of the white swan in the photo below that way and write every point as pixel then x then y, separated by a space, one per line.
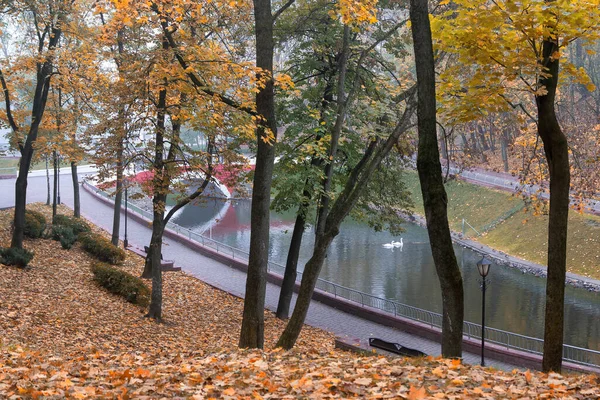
pixel 399 244
pixel 389 245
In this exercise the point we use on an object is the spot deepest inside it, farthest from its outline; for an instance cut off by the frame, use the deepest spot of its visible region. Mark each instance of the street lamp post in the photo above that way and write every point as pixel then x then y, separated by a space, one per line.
pixel 125 242
pixel 483 266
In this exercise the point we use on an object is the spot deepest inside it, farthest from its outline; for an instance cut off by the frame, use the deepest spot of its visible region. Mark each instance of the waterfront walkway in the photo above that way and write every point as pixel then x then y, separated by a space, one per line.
pixel 229 279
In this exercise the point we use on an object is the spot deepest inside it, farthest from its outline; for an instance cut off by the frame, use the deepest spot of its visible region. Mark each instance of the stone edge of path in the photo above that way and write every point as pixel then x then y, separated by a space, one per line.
pixel 497 352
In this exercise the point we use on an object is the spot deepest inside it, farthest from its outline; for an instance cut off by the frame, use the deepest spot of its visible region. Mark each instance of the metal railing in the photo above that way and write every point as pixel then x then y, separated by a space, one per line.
pixel 471 330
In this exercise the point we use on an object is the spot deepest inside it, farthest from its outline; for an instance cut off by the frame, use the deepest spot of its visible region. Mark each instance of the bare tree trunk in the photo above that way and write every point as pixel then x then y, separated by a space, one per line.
pixel 155 310
pixel 118 196
pixel 252 332
pixel 557 156
pixel 291 266
pixel 312 269
pixel 21 197
pixel 504 150
pixel 55 195
pixel 47 181
pixel 158 206
pixel 37 112
pixel 432 187
pixel 76 199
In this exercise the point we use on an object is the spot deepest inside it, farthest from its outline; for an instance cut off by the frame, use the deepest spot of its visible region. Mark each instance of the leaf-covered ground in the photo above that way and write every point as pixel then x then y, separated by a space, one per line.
pixel 64 337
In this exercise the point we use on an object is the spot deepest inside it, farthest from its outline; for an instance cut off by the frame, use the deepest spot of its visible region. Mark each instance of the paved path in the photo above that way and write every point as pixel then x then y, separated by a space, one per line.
pixel 216 274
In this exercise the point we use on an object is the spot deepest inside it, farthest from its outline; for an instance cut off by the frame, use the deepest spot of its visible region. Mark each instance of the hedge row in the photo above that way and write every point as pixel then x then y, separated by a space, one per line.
pixel 101 248
pixel 17 257
pixel 35 224
pixel 67 230
pixel 121 283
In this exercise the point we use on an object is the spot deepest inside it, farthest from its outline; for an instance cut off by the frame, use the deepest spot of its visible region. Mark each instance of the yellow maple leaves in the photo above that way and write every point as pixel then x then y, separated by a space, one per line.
pixel 356 12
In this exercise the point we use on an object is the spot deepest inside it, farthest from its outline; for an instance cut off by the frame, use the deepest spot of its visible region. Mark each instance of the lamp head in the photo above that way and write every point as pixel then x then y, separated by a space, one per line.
pixel 483 266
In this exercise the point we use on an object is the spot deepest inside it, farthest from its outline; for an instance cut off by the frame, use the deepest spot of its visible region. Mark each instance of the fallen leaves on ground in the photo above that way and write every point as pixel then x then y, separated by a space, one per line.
pixel 271 374
pixel 64 337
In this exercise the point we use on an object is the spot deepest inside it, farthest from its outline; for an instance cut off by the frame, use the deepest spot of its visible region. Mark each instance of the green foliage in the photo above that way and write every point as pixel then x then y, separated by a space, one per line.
pixel 385 195
pixel 121 283
pixel 35 224
pixel 101 248
pixel 14 256
pixel 77 225
pixel 65 235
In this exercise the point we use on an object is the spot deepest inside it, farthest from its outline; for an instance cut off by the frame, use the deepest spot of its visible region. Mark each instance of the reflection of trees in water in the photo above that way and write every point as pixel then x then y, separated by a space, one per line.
pixel 195 216
pixel 515 301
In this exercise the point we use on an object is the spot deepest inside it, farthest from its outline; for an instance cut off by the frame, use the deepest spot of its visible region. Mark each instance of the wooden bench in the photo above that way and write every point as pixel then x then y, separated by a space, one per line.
pixel 395 348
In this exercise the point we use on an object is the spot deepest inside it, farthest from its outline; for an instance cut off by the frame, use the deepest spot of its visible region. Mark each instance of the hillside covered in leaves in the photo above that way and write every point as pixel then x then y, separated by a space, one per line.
pixel 62 336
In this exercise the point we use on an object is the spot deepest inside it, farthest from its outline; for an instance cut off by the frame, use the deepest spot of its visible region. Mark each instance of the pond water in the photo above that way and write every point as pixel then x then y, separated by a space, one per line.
pixel 357 259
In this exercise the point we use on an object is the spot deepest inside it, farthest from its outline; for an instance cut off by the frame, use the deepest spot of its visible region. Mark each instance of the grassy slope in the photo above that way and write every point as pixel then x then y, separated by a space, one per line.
pixel 523 234
pixel 14 163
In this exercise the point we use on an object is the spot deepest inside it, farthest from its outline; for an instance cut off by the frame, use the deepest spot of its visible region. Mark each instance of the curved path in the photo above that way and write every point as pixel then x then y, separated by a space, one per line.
pixel 228 279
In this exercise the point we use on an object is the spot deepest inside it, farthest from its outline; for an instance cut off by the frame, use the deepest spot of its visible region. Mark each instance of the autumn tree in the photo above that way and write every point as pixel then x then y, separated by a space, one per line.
pixel 507 50
pixel 378 137
pixel 41 25
pixel 310 42
pixel 184 72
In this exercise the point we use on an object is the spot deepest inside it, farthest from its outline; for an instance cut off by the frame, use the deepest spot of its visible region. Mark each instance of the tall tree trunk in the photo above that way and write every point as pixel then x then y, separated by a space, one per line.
pixel 504 150
pixel 252 332
pixel 158 205
pixel 55 195
pixel 342 105
pixel 557 156
pixel 312 269
pixel 291 266
pixel 40 97
pixel 47 181
pixel 21 196
pixel 118 195
pixel 76 200
pixel 432 187
pixel 155 310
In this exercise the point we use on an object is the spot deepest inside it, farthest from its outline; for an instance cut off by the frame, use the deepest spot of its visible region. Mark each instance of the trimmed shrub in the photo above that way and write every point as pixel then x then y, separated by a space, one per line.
pixel 121 283
pixel 17 257
pixel 35 224
pixel 101 248
pixel 65 235
pixel 76 224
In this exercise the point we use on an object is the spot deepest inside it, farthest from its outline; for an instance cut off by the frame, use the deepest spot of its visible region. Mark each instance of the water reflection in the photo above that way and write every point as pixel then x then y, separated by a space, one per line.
pixel 357 259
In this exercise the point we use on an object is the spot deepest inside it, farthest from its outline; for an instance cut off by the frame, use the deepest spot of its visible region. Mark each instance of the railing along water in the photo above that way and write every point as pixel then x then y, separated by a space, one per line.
pixel 509 340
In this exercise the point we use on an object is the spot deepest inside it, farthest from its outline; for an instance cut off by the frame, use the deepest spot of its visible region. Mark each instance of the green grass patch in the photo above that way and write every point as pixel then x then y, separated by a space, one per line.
pixel 480 206
pixel 14 163
pixel 526 235
pixel 508 227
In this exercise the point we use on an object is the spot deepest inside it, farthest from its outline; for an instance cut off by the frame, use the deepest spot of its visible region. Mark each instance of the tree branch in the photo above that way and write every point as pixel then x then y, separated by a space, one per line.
pixel 9 115
pixel 282 9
